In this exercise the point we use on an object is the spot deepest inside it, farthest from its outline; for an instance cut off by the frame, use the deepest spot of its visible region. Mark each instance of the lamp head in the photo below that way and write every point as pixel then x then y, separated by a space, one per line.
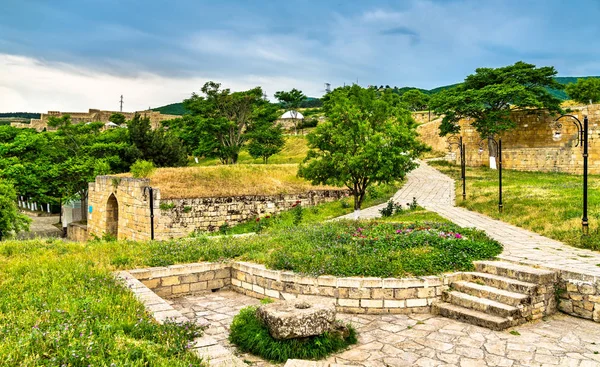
pixel 556 135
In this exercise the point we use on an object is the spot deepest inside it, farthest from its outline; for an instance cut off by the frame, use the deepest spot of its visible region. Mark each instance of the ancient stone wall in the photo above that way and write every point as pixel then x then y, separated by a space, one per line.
pixel 179 217
pixel 77 232
pixel 579 295
pixel 120 207
pixel 530 147
pixel 92 115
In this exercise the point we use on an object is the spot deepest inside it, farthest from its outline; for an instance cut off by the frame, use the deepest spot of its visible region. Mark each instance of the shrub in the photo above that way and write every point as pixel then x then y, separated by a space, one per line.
pixel 250 335
pixel 166 206
pixel 297 213
pixel 390 209
pixel 142 169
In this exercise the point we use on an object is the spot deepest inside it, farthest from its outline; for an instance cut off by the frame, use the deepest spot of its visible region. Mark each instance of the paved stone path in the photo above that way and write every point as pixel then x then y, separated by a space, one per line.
pixel 41 227
pixel 435 192
pixel 425 340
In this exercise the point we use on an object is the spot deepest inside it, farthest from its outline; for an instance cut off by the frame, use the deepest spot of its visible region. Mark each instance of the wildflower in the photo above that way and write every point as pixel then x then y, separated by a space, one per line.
pixel 257 219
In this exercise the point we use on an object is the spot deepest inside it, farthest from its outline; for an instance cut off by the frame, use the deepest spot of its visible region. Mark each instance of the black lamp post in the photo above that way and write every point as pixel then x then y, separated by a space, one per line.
pixel 582 132
pixel 498 145
pixel 458 141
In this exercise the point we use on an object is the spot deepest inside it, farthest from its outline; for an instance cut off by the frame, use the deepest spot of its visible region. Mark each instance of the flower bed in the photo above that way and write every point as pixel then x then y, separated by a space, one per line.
pixel 379 249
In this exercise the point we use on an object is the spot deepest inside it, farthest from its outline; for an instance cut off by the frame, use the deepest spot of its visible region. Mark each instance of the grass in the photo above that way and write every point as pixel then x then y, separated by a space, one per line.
pixel 316 214
pixel 294 151
pixel 61 306
pixel 547 203
pixel 233 180
pixel 250 334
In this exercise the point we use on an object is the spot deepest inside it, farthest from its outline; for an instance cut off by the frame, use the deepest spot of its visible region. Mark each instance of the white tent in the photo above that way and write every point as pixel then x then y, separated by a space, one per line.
pixel 292 115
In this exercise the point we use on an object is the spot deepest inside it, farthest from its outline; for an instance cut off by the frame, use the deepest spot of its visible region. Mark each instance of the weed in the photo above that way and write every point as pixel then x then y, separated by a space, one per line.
pixel 187 209
pixel 514 332
pixel 166 206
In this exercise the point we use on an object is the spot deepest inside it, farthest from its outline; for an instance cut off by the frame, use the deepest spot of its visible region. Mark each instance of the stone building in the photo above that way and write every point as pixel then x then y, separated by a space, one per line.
pixel 290 119
pixel 121 207
pixel 532 145
pixel 91 116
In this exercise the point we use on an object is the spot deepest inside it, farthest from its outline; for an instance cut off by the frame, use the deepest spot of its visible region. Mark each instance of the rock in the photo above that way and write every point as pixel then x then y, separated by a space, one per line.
pixel 297 318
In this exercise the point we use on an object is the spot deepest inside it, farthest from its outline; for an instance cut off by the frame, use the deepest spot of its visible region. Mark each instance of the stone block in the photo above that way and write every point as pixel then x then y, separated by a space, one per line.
pixel 163 291
pixel 272 294
pixel 405 293
pixel 348 302
pixel 189 278
pixel 587 288
pixel 349 282
pixel 372 283
pixel 565 306
pixel 419 302
pixel 425 292
pixel 371 303
pixel 151 283
pixel 258 289
pixel 382 293
pixel 216 284
pixel 207 275
pixel 181 288
pixel 359 293
pixel 394 303
pixel 327 281
pixel 172 280
pixel 326 291
pixel 572 287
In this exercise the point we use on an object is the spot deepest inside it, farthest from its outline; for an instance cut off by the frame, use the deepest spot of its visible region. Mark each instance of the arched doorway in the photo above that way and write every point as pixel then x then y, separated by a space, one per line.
pixel 112 216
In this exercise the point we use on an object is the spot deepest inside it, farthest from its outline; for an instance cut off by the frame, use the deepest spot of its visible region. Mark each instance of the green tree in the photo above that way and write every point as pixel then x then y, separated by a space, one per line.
pixel 159 146
pixel 368 138
pixel 291 101
pixel 488 96
pixel 224 119
pixel 142 169
pixel 586 90
pixel 266 141
pixel 415 100
pixel 117 118
pixel 11 220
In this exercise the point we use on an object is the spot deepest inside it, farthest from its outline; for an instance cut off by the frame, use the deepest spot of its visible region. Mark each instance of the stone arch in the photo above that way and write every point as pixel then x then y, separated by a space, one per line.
pixel 112 216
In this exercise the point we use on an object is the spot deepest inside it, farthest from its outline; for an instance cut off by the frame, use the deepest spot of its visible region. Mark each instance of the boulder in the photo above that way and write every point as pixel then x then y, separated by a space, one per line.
pixel 297 318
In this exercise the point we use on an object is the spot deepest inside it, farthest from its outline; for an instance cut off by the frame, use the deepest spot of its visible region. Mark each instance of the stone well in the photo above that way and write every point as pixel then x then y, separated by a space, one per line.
pixel 297 318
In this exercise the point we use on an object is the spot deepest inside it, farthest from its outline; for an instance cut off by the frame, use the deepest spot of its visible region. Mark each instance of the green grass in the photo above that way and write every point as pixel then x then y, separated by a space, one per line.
pixel 250 335
pixel 294 151
pixel 547 203
pixel 316 214
pixel 61 306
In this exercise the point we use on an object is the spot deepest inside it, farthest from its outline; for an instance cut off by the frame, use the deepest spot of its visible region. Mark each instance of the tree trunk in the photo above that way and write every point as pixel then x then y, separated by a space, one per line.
pixel 84 204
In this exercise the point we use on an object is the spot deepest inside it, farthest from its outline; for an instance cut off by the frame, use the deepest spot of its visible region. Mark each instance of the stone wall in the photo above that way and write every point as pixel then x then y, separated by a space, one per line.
pixel 207 214
pixel 530 147
pixel 92 115
pixel 77 232
pixel 579 295
pixel 120 206
pixel 352 295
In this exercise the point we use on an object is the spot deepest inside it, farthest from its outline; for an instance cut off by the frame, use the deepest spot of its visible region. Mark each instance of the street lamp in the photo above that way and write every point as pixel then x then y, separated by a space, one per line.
pixel 582 139
pixel 499 149
pixel 458 141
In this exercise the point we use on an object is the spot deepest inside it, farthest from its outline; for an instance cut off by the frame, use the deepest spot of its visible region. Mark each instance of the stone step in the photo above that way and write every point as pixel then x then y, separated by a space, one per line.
pixel 494 294
pixel 516 271
pixel 470 316
pixel 480 304
pixel 303 363
pixel 497 281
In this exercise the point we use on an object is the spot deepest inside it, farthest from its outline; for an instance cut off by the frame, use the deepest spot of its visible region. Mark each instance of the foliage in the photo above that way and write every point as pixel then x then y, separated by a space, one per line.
pixel 585 90
pixel 291 101
pixel 11 221
pixel 488 96
pixel 226 118
pixel 166 206
pixel 297 212
pixel 350 248
pixel 266 137
pixel 250 334
pixel 188 130
pixel 158 146
pixel 60 305
pixel 117 118
pixel 548 203
pixel 27 115
pixel 142 169
pixel 367 139
pixel 172 109
pixel 415 100
pixel 390 208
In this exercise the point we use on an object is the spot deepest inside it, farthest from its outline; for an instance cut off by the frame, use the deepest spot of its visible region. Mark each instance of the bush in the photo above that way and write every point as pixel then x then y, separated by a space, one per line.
pixel 250 335
pixel 297 213
pixel 142 169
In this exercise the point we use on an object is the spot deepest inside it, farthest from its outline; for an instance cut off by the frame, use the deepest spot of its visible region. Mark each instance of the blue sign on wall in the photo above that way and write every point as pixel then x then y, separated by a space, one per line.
pixel 90 209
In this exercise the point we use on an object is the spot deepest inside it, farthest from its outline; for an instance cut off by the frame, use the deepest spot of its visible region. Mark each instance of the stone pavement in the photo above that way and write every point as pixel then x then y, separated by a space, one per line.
pixel 435 192
pixel 41 227
pixel 424 339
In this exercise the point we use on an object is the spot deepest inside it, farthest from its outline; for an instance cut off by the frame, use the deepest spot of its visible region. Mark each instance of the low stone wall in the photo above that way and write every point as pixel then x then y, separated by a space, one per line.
pixel 77 232
pixel 351 295
pixel 579 295
pixel 184 216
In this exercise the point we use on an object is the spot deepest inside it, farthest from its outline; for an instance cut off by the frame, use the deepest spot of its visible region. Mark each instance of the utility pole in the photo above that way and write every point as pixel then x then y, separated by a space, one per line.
pixel 121 110
pixel 327 88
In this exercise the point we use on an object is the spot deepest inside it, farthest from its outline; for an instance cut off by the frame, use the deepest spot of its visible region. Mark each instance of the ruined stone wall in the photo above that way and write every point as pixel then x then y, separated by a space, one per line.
pixel 530 147
pixel 92 115
pixel 180 217
pixel 133 207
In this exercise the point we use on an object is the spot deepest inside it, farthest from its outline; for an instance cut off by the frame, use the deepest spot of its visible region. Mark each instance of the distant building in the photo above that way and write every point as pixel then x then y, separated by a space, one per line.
pixel 92 116
pixel 291 118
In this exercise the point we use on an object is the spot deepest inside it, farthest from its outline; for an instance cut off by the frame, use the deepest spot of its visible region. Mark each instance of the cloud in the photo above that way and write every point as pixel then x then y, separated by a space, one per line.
pixel 402 31
pixel 33 85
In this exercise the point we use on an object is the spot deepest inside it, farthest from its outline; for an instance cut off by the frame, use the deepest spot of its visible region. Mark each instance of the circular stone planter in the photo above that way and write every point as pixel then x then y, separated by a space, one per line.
pixel 297 318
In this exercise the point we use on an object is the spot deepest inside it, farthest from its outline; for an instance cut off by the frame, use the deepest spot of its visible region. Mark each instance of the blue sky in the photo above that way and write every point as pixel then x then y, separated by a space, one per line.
pixel 72 55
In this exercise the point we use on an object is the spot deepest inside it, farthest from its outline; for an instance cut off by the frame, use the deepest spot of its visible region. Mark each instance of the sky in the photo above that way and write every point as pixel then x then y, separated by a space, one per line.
pixel 72 55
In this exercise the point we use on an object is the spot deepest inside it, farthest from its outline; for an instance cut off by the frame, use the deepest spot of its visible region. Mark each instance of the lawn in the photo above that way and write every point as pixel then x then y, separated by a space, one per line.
pixel 547 203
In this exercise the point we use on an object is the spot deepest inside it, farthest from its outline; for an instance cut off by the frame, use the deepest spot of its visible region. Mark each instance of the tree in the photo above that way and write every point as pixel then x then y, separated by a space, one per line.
pixel 488 96
pixel 266 141
pixel 224 119
pixel 117 118
pixel 415 100
pixel 585 90
pixel 368 138
pixel 11 221
pixel 158 146
pixel 291 101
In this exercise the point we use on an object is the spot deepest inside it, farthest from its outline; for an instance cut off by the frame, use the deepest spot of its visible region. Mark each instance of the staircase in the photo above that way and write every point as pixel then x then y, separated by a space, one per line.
pixel 499 295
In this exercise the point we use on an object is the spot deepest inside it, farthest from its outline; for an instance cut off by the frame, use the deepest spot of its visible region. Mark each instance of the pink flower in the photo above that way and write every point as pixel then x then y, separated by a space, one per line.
pixel 457 235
